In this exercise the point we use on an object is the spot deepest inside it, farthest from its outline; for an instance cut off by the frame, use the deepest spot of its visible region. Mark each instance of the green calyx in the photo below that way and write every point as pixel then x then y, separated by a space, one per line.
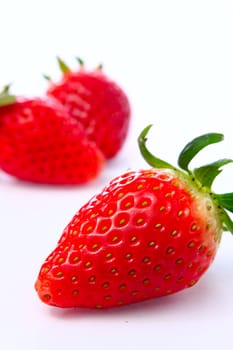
pixel 203 176
pixel 5 97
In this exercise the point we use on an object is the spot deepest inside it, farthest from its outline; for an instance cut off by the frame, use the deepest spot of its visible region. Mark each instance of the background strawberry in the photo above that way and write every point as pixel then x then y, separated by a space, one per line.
pixel 149 233
pixel 40 142
pixel 97 102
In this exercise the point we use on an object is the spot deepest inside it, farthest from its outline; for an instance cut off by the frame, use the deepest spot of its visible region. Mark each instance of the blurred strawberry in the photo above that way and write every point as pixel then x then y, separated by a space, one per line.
pixel 40 142
pixel 97 102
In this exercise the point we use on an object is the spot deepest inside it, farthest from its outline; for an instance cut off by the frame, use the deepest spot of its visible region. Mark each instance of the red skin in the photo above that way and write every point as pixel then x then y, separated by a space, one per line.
pixel 99 104
pixel 143 237
pixel 40 142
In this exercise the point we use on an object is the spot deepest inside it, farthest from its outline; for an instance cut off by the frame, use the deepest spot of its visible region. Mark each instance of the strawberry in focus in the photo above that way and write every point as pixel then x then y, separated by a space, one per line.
pixel 97 102
pixel 40 142
pixel 149 233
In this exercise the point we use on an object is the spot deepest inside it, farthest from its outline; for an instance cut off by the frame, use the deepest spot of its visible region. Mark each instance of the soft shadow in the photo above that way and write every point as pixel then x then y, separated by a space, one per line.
pixel 198 297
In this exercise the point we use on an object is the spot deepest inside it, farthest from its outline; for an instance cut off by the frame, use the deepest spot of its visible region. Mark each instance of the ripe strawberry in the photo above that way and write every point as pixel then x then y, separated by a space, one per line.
pixel 98 103
pixel 40 142
pixel 150 233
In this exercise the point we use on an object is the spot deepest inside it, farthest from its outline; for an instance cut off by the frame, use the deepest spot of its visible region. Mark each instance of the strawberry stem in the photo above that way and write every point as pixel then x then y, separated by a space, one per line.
pixel 203 176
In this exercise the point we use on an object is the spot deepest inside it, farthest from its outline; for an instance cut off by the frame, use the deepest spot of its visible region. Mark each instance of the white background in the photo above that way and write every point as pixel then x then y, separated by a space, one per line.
pixel 175 61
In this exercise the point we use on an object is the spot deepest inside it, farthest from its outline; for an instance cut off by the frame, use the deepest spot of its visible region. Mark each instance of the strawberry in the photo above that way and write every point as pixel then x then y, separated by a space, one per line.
pixel 40 142
pixel 97 102
pixel 149 233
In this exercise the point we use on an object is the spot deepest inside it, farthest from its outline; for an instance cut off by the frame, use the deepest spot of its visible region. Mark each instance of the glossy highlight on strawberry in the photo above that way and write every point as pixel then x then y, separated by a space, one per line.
pixel 40 142
pixel 97 102
pixel 149 233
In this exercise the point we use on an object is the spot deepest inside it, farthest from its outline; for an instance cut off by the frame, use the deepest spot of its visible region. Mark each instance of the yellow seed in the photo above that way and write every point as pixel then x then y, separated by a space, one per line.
pixel 107 297
pixel 105 285
pixel 74 278
pixel 113 270
pixel 135 292
pixel 170 250
pixel 104 228
pixel 108 255
pixel 192 283
pixel 99 306
pixel 47 296
pixel 95 246
pixel 128 256
pixel 191 244
pixel 89 228
pixel 162 208
pixel 122 222
pixel 209 253
pixel 59 274
pixel 110 212
pixel 128 204
pixel 139 221
pixel 151 243
pixel 115 238
pixel 168 291
pixel 144 203
pixel 45 270
pixel 75 259
pixel 167 195
pixel 132 272
pixel 157 267
pixel 120 302
pixel 120 195
pixel 75 292
pixel 158 225
pixel 201 248
pixel 146 259
pixel 146 281
pixel 174 233
pixel 180 213
pixel 133 239
pixel 193 227
pixel 60 260
pixel 88 264
pixel 168 276
pixel 80 246
pixel 122 286
pixel 92 278
pixel 93 215
pixel 179 261
pixel 190 265
pixel 140 186
pixel 156 188
pixel 75 232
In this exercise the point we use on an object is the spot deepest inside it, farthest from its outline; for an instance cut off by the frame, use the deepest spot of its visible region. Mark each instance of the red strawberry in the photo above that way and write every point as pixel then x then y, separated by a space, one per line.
pixel 40 142
pixel 98 103
pixel 149 233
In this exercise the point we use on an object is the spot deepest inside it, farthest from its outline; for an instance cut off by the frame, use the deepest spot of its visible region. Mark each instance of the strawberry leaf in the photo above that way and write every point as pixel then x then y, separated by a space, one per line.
pixel 207 173
pixel 225 200
pixel 195 146
pixel 227 222
pixel 6 99
pixel 80 61
pixel 149 157
pixel 63 66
